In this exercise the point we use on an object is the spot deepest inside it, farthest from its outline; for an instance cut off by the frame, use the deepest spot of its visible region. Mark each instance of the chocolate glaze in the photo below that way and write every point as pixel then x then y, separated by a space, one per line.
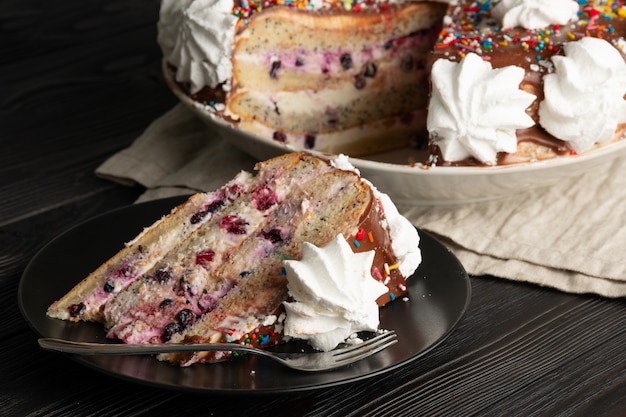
pixel 521 48
pixel 535 134
pixel 373 234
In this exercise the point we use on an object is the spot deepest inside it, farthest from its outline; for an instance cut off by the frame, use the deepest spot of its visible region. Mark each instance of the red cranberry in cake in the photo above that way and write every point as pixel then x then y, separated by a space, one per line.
pixel 264 198
pixel 205 257
pixel 233 224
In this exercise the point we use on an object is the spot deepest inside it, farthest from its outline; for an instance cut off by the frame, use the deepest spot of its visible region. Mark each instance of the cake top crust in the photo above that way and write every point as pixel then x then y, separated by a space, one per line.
pixel 470 26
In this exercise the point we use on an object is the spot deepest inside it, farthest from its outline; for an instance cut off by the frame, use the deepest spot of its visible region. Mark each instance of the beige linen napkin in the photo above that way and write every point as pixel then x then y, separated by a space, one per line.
pixel 177 154
pixel 571 236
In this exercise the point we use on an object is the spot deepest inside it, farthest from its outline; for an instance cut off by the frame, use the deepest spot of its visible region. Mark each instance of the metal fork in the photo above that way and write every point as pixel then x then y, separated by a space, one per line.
pixel 310 362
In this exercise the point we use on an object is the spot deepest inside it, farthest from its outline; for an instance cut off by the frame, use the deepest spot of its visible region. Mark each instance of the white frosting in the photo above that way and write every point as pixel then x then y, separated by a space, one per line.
pixel 475 110
pixel 334 294
pixel 584 97
pixel 535 14
pixel 342 161
pixel 404 237
pixel 196 36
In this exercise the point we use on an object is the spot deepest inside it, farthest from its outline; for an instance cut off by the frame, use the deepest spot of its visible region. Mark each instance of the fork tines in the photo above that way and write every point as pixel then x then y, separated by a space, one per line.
pixel 367 348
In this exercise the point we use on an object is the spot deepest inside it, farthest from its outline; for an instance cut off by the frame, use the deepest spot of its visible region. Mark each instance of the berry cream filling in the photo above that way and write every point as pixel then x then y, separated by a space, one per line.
pixel 349 61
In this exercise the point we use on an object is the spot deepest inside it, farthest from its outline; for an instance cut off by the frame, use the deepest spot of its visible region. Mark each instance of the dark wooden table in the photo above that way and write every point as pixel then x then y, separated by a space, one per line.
pixel 79 80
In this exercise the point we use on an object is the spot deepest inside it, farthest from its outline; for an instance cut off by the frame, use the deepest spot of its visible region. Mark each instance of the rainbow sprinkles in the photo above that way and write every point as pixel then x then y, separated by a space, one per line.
pixel 245 9
pixel 471 28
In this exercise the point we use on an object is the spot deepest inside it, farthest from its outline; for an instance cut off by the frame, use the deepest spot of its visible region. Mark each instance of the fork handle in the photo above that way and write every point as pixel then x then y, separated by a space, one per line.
pixel 87 348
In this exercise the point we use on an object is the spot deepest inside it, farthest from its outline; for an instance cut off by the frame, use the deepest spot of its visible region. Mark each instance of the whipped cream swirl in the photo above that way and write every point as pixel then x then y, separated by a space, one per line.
pixel 584 97
pixel 404 237
pixel 475 110
pixel 535 14
pixel 334 294
pixel 196 36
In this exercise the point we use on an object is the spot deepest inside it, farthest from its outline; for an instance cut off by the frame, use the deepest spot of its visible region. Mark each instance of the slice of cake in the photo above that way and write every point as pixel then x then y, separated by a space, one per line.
pixel 335 76
pixel 520 81
pixel 224 281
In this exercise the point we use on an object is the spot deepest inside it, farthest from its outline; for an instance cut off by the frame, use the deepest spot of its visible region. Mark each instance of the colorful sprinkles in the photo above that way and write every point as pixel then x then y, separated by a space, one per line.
pixel 384 275
pixel 255 337
pixel 472 29
pixel 245 9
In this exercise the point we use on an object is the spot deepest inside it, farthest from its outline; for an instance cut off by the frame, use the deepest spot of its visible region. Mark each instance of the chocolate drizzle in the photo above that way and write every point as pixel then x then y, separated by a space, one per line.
pixel 374 234
pixel 471 29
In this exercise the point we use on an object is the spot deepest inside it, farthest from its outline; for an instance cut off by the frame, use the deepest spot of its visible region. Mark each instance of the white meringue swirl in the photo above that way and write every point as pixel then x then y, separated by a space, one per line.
pixel 535 14
pixel 475 110
pixel 584 97
pixel 196 37
pixel 404 237
pixel 334 294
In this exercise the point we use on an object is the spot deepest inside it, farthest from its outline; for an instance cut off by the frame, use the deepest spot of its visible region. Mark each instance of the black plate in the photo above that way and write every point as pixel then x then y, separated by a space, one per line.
pixel 439 293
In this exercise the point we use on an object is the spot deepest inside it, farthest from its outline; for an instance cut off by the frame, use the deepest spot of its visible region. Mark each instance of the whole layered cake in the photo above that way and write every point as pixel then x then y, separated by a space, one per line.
pixel 475 82
pixel 304 249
